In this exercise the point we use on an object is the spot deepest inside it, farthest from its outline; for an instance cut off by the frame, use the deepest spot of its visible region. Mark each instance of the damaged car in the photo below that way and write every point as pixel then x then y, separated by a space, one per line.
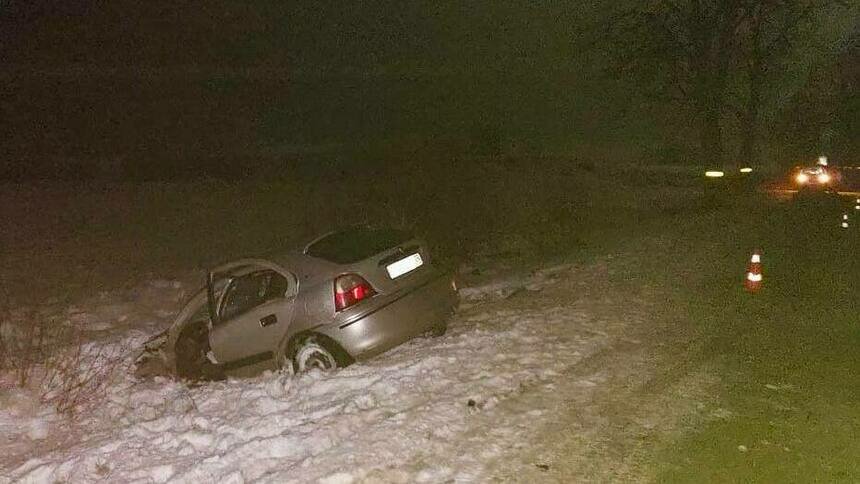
pixel 346 296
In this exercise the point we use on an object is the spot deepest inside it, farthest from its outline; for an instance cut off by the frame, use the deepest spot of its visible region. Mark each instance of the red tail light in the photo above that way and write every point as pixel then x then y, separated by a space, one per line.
pixel 350 289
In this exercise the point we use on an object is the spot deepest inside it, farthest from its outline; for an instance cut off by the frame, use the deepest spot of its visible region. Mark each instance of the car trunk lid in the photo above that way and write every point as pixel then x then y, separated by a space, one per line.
pixel 389 259
pixel 393 269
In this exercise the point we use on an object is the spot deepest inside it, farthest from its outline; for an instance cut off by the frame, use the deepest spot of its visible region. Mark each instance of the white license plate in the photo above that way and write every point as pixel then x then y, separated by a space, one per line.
pixel 405 265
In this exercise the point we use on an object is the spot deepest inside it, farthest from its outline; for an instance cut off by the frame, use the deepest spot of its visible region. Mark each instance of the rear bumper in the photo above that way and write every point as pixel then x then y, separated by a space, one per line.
pixel 398 319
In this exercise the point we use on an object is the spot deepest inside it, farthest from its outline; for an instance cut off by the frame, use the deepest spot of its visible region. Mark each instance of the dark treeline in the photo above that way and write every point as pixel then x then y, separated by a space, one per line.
pixel 157 89
pixel 753 75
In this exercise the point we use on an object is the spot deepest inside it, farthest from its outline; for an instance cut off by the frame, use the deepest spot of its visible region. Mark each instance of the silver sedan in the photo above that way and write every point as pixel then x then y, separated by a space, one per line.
pixel 347 296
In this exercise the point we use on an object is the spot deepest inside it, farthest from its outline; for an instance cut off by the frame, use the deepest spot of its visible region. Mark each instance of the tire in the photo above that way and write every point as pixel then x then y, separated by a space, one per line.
pixel 191 361
pixel 313 352
pixel 190 354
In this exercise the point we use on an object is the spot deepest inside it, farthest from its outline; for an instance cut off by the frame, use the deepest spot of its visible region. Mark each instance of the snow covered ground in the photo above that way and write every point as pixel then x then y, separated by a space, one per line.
pixel 458 408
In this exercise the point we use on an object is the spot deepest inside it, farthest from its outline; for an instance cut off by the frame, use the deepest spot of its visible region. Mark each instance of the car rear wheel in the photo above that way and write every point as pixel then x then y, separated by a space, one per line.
pixel 312 353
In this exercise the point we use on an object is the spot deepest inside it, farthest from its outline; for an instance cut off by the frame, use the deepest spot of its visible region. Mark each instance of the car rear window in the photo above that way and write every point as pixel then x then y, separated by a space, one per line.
pixel 355 244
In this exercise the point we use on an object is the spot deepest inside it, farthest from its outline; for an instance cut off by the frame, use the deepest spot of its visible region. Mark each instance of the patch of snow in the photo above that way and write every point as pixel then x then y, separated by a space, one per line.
pixel 338 478
pixel 503 288
pixel 22 414
pixel 161 473
pixel 779 386
pixel 394 418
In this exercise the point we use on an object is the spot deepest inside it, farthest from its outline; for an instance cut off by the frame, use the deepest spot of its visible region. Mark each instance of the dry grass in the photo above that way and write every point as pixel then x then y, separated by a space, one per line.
pixel 57 363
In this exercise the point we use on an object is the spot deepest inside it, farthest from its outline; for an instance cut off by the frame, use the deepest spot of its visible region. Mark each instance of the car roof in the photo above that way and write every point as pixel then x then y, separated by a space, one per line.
pixel 307 267
pixel 356 243
pixel 303 266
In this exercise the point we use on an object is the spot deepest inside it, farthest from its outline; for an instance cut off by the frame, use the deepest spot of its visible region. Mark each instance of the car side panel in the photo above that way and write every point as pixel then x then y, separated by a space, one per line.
pixel 313 308
pixel 252 337
pixel 386 323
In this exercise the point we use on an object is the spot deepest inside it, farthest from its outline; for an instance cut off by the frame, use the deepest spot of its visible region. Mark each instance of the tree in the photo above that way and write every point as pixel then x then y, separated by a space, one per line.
pixel 776 35
pixel 848 112
pixel 685 49
pixel 694 53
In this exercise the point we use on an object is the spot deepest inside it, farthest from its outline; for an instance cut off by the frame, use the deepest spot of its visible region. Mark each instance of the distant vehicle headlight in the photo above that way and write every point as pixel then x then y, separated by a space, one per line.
pixel 802 178
pixel 823 178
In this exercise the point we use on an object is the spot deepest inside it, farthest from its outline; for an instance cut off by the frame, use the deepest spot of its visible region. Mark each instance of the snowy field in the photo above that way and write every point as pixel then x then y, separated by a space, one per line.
pixel 544 375
pixel 459 408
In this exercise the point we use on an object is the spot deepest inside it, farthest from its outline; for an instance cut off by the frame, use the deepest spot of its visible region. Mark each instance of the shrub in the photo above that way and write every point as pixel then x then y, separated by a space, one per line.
pixel 55 362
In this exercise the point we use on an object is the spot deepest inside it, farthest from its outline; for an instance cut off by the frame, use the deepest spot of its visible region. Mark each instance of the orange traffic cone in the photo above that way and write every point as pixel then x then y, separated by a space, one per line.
pixel 754 275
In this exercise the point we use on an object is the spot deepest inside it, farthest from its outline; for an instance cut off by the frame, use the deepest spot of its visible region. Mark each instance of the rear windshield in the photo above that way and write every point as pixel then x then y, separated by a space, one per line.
pixel 355 244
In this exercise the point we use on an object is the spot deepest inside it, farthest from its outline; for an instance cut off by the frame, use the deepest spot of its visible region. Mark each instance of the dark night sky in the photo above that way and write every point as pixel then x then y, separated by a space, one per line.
pixel 127 86
pixel 157 80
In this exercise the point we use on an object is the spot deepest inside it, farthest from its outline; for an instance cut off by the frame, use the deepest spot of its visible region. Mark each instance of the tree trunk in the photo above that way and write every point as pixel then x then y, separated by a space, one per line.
pixel 711 94
pixel 750 145
pixel 750 119
pixel 712 76
pixel 711 135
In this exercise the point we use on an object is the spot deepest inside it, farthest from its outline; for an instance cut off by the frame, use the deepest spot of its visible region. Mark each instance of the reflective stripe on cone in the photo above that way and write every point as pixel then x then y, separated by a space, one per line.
pixel 754 277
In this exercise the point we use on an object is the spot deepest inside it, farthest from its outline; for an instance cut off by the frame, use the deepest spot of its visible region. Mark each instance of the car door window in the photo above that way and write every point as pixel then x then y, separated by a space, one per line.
pixel 251 290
